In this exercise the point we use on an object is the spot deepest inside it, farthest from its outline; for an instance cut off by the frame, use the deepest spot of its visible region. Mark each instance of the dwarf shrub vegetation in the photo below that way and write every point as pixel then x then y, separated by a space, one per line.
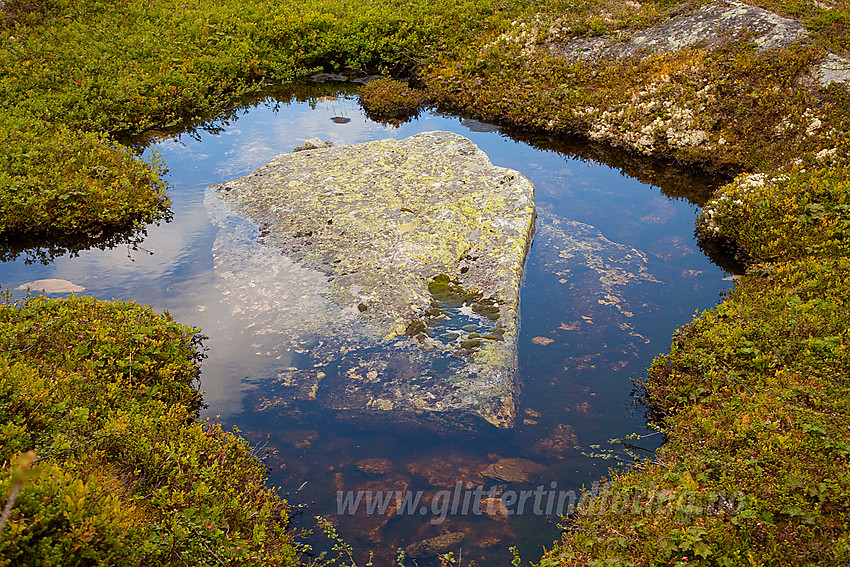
pixel 752 396
pixel 72 71
pixel 390 101
pixel 102 393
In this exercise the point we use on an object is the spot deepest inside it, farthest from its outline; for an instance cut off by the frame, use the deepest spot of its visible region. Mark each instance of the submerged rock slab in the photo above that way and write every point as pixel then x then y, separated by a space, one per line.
pixel 397 265
pixel 602 292
pixel 51 286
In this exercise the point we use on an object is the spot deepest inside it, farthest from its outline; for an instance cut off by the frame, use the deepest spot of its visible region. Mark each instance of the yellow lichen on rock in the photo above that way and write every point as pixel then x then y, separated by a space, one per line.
pixel 389 222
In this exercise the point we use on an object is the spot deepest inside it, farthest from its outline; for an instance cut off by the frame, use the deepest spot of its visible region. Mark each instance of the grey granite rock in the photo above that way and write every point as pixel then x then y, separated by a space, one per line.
pixel 709 26
pixel 833 69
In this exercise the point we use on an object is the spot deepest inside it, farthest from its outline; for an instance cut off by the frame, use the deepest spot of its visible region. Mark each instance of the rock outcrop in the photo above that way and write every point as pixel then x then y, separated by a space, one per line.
pixel 708 27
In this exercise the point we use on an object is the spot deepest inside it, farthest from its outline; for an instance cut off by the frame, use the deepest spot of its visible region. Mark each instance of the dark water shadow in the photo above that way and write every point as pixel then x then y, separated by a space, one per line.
pixel 674 179
pixel 45 249
pixel 724 254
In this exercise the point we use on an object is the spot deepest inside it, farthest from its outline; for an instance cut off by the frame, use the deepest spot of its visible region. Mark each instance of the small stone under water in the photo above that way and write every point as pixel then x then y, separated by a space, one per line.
pixel 513 470
pixel 51 286
pixel 434 546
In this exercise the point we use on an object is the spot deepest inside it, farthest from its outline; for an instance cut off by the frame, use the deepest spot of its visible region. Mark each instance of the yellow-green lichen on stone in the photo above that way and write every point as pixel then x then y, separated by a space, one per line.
pixel 420 244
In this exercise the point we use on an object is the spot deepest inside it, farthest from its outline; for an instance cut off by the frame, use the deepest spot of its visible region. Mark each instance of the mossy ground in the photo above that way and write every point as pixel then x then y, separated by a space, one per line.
pixel 391 101
pixel 754 393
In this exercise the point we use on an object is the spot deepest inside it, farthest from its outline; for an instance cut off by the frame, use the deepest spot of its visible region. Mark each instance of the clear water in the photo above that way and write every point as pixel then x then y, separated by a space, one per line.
pixel 590 320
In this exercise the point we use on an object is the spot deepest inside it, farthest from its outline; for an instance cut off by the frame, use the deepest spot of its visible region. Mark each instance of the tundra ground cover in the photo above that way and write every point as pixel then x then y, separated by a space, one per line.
pixel 753 395
pixel 100 442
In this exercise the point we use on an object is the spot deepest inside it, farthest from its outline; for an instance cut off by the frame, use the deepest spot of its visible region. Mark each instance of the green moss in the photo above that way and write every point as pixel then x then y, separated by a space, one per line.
pixel 414 328
pixel 487 308
pixel 753 396
pixel 392 101
pixel 447 293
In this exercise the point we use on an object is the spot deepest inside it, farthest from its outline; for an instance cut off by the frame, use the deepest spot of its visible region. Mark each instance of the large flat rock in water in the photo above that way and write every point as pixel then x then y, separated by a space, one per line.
pixel 391 267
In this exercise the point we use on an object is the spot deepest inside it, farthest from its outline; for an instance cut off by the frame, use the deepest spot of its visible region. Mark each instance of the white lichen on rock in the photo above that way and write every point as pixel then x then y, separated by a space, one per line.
pixel 709 26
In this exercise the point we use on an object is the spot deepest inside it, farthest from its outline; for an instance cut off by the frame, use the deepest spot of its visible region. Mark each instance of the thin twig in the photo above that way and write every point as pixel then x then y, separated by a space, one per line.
pixel 7 510
pixel 220 562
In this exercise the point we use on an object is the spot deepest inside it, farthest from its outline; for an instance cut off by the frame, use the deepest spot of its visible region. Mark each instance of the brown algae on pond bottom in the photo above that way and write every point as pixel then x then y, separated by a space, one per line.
pixel 395 250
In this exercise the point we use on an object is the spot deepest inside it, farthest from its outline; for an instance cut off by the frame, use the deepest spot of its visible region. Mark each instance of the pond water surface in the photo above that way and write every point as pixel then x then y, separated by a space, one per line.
pixel 613 270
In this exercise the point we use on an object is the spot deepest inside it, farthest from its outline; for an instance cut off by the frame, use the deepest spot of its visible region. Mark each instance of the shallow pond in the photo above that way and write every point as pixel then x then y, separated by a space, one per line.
pixel 613 270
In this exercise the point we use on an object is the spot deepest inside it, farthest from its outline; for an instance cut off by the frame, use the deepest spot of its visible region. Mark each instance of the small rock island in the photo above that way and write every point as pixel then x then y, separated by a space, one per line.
pixel 393 266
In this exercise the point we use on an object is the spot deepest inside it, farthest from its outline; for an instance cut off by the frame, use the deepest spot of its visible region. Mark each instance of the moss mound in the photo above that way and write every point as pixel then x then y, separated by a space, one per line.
pixel 392 101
